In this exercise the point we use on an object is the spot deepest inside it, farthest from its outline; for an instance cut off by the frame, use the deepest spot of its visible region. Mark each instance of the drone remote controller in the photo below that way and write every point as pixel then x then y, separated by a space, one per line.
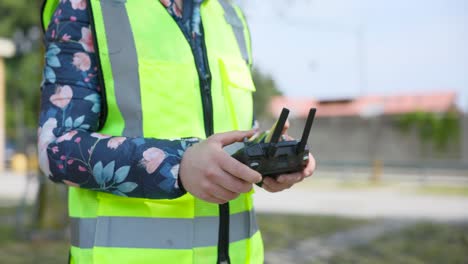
pixel 271 157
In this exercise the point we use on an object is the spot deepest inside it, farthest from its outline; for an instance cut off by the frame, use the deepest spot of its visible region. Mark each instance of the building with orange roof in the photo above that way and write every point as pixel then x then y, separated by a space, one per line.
pixel 367 128
pixel 371 105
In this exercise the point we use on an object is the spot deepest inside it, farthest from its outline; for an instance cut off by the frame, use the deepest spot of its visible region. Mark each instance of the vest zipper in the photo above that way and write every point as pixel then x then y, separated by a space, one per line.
pixel 207 105
pixel 205 84
pixel 206 90
pixel 223 234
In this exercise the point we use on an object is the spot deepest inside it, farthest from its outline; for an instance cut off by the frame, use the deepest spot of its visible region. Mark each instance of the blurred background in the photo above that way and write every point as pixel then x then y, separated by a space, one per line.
pixel 391 135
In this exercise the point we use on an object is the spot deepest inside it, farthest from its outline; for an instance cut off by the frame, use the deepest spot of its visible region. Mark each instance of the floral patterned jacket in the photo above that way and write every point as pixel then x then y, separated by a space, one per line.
pixel 70 150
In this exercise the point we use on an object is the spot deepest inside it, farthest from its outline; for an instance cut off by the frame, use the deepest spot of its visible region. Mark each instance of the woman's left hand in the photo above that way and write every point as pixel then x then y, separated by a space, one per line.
pixel 286 181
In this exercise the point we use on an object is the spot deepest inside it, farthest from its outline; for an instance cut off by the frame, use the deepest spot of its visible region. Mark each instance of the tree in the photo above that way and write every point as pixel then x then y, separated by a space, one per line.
pixel 266 88
pixel 19 20
pixel 440 129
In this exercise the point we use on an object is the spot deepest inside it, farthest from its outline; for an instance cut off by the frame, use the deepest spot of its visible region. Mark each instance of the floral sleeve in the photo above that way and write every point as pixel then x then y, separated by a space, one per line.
pixel 70 151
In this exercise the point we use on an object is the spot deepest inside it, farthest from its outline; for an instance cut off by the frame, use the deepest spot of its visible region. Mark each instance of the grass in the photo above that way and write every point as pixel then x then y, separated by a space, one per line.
pixel 14 249
pixel 6 211
pixel 17 251
pixel 338 184
pixel 282 231
pixel 366 185
pixel 50 252
pixel 423 243
pixel 443 190
pixel 428 243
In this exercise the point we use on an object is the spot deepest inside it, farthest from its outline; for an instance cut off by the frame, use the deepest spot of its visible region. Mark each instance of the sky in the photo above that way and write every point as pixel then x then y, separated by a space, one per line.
pixel 329 49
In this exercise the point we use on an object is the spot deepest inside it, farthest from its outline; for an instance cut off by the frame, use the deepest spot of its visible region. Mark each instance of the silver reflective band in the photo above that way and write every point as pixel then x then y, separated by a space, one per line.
pixel 82 232
pixel 233 19
pixel 162 233
pixel 124 63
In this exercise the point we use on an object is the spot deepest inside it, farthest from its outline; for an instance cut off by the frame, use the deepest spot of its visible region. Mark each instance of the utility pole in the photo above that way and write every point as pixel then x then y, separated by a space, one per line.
pixel 7 50
pixel 361 59
pixel 464 136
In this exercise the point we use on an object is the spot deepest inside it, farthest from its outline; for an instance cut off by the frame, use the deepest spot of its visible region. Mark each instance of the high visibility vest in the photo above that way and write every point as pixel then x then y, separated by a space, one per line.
pixel 153 89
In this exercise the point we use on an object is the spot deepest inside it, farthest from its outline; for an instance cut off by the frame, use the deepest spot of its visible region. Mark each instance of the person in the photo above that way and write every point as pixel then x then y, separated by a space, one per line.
pixel 138 100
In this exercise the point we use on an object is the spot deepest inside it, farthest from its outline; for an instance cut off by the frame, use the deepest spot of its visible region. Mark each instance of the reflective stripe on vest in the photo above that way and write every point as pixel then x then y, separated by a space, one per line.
pixel 235 21
pixel 166 233
pixel 124 63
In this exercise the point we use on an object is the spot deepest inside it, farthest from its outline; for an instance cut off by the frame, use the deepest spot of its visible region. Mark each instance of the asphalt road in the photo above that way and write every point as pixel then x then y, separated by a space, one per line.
pixel 15 187
pixel 380 203
pixel 358 203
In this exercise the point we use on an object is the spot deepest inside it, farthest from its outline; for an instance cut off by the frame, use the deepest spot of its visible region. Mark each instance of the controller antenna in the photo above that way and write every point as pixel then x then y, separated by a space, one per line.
pixel 306 132
pixel 278 127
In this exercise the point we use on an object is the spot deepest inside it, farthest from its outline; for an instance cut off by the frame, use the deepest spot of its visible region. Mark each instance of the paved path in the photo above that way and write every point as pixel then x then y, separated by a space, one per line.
pixel 364 204
pixel 361 203
pixel 15 187
pixel 319 249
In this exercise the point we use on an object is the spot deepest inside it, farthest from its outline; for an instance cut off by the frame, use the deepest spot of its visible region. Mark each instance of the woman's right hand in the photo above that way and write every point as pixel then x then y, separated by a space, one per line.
pixel 211 174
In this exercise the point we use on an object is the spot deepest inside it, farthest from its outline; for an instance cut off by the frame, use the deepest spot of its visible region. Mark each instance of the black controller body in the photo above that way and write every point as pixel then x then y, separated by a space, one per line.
pixel 273 159
pixel 269 155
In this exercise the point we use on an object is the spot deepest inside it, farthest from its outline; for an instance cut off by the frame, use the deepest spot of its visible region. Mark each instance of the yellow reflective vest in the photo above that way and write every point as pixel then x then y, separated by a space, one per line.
pixel 153 89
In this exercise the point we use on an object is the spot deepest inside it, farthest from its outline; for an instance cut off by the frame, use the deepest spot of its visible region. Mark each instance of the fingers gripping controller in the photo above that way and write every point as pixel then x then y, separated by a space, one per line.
pixel 271 157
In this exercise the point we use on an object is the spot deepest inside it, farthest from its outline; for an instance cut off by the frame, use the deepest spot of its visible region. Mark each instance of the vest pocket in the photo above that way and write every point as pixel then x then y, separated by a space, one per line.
pixel 238 87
